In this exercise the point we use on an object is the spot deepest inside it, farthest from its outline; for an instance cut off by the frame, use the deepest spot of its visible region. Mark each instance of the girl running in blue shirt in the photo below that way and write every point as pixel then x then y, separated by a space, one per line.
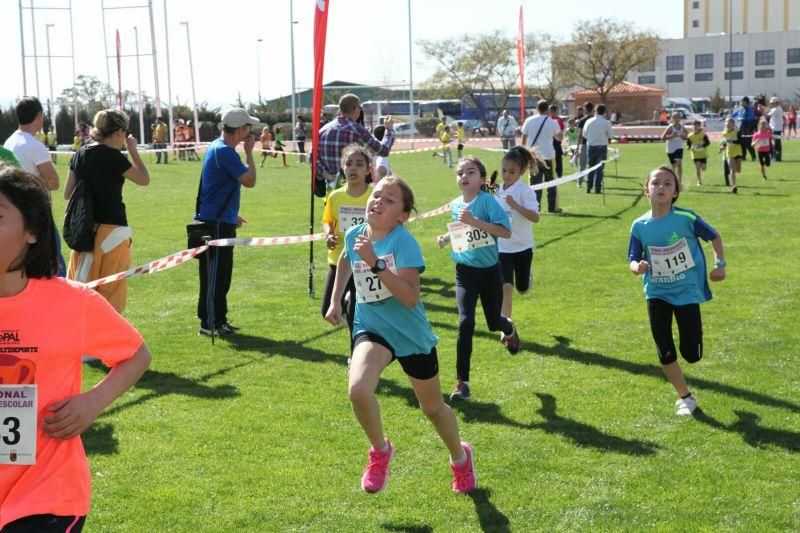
pixel 664 247
pixel 390 323
pixel 477 220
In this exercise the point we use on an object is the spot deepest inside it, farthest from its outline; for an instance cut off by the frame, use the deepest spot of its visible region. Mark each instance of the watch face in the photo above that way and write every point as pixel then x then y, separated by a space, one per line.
pixel 381 264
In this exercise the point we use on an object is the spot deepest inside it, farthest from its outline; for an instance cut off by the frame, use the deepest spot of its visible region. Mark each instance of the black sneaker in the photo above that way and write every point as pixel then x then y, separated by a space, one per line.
pixel 230 328
pixel 220 332
pixel 511 341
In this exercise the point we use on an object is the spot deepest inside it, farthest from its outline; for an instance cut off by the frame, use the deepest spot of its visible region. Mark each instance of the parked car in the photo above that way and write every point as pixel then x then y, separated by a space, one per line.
pixel 686 114
pixel 405 130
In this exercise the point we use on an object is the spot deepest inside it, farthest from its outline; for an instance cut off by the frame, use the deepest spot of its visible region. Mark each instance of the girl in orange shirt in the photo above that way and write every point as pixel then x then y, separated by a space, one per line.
pixel 44 475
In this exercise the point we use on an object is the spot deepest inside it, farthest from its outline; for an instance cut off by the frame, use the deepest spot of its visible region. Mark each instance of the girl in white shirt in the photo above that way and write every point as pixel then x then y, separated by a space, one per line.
pixel 518 200
pixel 675 135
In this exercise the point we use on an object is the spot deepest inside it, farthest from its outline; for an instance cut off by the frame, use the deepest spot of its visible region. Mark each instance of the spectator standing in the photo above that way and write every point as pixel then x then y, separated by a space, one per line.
pixel 747 127
pixel 160 137
pixel 105 169
pixel 32 155
pixel 221 180
pixel 341 132
pixel 776 125
pixel 584 114
pixel 598 132
pixel 539 132
pixel 791 118
pixel 52 142
pixel 507 128
pixel 552 111
pixel 300 137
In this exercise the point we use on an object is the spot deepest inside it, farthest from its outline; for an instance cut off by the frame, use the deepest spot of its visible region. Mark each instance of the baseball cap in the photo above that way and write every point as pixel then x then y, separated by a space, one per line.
pixel 238 117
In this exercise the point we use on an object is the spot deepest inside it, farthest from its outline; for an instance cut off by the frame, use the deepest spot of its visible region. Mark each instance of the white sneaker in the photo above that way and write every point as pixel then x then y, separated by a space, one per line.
pixel 686 406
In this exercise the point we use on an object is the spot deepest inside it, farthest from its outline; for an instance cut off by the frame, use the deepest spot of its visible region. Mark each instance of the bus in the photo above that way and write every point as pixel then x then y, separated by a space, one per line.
pixel 448 108
pixel 376 110
pixel 493 105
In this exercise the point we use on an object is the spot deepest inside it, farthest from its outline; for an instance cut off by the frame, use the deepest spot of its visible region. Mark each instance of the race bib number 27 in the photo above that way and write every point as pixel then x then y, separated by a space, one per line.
pixel 369 287
pixel 18 424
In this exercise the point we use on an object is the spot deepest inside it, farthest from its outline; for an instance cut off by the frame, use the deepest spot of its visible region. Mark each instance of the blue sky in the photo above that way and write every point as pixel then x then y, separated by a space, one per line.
pixel 367 40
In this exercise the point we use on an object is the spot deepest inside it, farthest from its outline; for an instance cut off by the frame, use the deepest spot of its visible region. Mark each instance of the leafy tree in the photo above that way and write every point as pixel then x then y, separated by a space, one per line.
pixel 474 64
pixel 541 74
pixel 600 54
pixel 91 94
pixel 716 101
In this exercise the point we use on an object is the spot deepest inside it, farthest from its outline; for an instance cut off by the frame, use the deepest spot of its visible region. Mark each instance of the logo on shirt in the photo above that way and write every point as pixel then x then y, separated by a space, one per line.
pixel 673 238
pixel 16 371
pixel 9 336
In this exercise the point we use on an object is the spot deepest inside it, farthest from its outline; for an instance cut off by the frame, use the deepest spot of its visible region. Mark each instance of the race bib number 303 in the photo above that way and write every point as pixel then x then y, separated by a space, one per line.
pixel 464 237
pixel 18 424
pixel 671 260
pixel 369 287
pixel 350 215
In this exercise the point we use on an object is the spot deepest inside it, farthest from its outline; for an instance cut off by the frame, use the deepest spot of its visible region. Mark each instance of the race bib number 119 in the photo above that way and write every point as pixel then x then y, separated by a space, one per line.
pixel 18 424
pixel 671 260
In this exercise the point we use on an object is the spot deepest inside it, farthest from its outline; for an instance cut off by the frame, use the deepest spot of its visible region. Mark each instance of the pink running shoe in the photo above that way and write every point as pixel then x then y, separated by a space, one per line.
pixel 377 472
pixel 464 478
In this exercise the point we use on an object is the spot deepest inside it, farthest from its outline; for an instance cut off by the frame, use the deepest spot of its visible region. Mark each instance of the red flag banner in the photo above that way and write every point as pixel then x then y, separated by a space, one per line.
pixel 521 62
pixel 119 70
pixel 320 31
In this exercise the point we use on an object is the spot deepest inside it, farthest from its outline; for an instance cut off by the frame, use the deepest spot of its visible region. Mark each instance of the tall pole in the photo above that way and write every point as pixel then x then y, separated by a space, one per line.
pixel 730 54
pixel 169 77
pixel 51 100
pixel 410 75
pixel 155 60
pixel 105 40
pixel 35 53
pixel 291 38
pixel 22 49
pixel 258 66
pixel 191 76
pixel 139 81
pixel 72 57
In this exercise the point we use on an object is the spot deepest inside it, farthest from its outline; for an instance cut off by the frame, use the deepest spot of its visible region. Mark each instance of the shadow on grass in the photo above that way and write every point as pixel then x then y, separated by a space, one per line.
pixel 438 286
pixel 612 216
pixel 99 439
pixel 489 516
pixel 586 436
pixel 289 348
pixel 563 350
pixel 407 528
pixel 753 434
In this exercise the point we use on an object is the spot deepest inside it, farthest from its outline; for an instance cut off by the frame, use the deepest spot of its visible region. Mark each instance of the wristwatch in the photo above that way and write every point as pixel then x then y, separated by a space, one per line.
pixel 380 266
pixel 720 262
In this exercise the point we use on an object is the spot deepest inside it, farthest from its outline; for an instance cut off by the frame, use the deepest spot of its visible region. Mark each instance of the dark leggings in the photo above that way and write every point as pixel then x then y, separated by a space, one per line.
pixel 473 283
pixel 690 330
pixel 45 523
pixel 348 310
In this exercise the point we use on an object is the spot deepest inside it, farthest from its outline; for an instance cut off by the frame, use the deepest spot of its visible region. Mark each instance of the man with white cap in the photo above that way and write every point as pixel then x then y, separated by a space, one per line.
pixel 218 195
pixel 776 125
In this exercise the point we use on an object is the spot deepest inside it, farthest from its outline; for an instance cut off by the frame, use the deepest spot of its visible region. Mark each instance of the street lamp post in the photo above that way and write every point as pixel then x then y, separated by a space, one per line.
pixel 169 78
pixel 50 71
pixel 258 66
pixel 292 22
pixel 191 75
pixel 410 76
pixel 139 81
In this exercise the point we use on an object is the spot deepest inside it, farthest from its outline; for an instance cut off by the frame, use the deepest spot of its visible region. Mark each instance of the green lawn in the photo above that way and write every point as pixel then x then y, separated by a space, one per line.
pixel 577 432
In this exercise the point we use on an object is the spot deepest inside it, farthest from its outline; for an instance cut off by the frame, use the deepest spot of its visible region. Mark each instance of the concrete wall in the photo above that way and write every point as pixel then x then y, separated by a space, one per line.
pixel 748 16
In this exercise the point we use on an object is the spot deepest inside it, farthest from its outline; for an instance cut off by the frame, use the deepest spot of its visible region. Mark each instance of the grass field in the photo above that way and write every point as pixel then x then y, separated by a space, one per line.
pixel 576 432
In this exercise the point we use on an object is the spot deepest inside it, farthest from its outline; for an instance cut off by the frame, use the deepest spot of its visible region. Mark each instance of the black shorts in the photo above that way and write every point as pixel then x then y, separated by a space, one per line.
pixel 675 156
pixel 516 268
pixel 460 146
pixel 738 158
pixel 702 160
pixel 418 366
pixel 45 523
pixel 764 158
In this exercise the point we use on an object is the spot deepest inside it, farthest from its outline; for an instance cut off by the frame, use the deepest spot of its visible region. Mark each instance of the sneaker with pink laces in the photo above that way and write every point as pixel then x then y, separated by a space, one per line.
pixel 464 478
pixel 377 472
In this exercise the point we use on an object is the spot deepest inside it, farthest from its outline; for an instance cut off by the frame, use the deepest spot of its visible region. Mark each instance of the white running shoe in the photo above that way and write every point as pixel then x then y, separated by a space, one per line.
pixel 686 406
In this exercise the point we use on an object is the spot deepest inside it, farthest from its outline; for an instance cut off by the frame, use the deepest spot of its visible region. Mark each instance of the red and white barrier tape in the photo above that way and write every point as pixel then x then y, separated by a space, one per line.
pixel 268 241
pixel 158 265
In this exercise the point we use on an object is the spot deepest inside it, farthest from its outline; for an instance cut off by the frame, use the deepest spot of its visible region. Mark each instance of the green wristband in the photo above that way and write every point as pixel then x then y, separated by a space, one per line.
pixel 720 262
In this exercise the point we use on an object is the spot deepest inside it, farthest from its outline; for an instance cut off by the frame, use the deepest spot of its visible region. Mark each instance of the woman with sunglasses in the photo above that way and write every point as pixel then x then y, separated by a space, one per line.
pixel 105 168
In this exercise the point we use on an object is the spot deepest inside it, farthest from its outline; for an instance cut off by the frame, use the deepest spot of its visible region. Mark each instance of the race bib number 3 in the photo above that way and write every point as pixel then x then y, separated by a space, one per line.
pixel 464 237
pixel 18 424
pixel 369 287
pixel 350 215
pixel 671 260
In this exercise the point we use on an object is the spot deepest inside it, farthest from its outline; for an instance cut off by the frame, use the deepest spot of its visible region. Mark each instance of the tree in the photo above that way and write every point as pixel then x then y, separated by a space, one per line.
pixel 541 74
pixel 716 101
pixel 601 53
pixel 91 94
pixel 474 64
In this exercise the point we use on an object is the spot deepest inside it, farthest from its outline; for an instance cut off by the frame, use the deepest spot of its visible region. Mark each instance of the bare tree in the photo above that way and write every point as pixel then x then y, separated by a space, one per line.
pixel 601 53
pixel 541 74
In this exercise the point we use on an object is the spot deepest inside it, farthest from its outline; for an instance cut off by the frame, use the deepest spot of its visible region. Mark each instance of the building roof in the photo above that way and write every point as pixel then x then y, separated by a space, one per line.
pixel 624 88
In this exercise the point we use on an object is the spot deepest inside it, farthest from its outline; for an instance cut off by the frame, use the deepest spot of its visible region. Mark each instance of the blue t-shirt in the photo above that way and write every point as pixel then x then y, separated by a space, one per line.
pixel 406 330
pixel 684 286
pixel 486 208
pixel 222 168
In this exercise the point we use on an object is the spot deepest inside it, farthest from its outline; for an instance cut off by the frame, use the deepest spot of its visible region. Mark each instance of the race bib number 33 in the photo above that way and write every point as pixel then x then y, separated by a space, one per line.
pixel 671 260
pixel 464 237
pixel 18 424
pixel 369 287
